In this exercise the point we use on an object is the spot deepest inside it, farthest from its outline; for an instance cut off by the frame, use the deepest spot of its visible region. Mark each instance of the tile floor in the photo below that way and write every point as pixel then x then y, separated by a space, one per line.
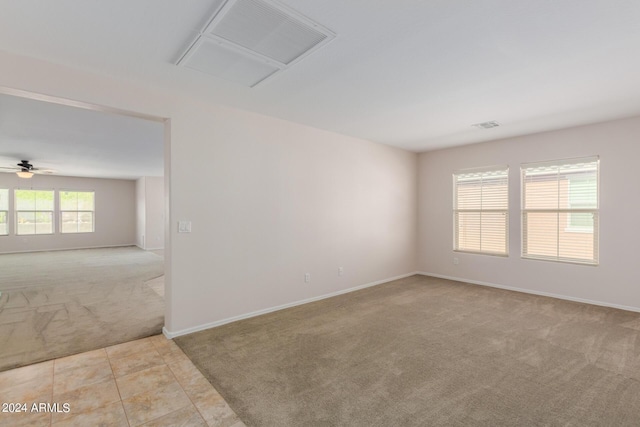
pixel 148 382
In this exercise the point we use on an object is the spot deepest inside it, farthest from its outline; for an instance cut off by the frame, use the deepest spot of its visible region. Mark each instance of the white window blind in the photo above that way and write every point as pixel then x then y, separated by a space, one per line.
pixel 481 211
pixel 560 210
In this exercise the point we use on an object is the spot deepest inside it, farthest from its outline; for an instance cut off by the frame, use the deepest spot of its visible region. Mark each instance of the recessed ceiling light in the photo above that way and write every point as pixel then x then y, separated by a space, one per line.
pixel 487 125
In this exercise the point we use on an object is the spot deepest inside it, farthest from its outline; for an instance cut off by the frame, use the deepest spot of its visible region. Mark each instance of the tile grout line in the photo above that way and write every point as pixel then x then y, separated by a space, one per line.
pixel 168 352
pixel 53 380
pixel 181 386
pixel 187 394
pixel 117 387
pixel 178 382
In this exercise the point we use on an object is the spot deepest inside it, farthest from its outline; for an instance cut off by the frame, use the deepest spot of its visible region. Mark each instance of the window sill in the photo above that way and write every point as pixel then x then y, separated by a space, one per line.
pixel 498 254
pixel 583 230
pixel 562 261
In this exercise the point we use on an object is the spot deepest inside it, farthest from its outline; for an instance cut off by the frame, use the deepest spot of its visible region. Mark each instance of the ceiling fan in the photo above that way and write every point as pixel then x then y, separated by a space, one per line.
pixel 24 169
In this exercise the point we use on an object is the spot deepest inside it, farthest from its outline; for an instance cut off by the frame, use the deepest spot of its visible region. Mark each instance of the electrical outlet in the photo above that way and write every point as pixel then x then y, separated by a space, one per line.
pixel 456 261
pixel 307 277
pixel 340 271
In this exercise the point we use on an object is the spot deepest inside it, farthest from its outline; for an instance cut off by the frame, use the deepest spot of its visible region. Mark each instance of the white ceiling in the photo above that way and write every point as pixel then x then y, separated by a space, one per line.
pixel 79 142
pixel 410 73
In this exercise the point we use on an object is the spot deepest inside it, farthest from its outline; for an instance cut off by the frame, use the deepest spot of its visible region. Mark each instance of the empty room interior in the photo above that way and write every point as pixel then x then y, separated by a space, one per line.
pixel 83 229
pixel 298 213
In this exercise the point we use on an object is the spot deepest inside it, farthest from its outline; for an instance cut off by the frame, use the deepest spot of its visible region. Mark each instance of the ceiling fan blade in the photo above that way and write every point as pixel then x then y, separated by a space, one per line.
pixel 25 166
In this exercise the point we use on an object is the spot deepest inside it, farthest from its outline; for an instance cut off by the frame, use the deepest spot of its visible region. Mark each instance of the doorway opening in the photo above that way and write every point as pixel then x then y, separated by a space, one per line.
pixel 83 239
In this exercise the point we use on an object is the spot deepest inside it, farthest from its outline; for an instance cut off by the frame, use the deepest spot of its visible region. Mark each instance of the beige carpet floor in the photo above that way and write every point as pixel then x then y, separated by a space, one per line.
pixel 428 352
pixel 53 304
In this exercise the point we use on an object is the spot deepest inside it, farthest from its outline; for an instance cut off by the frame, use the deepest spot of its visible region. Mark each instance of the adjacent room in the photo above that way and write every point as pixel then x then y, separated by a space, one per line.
pixel 368 213
pixel 82 229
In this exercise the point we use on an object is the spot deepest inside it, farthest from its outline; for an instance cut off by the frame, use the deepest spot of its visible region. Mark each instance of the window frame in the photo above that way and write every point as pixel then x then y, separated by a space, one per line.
pixel 595 230
pixel 6 212
pixel 17 211
pixel 78 211
pixel 456 210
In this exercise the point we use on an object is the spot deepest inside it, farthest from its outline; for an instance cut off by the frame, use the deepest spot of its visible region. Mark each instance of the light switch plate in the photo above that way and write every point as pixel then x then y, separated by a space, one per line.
pixel 184 226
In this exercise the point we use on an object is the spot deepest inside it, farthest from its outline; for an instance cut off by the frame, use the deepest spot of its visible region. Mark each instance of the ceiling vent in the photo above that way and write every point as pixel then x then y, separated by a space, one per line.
pixel 248 41
pixel 487 125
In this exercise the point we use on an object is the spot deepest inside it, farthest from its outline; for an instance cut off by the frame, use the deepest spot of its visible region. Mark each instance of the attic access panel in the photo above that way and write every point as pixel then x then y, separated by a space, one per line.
pixel 265 29
pixel 217 59
pixel 260 37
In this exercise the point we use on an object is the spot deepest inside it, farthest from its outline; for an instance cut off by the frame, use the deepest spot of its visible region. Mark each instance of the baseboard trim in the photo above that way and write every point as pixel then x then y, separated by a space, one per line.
pixel 70 249
pixel 174 334
pixel 533 292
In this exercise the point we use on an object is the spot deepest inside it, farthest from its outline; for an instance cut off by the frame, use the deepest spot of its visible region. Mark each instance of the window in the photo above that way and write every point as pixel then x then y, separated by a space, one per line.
pixel 77 211
pixel 560 210
pixel 4 211
pixel 34 211
pixel 583 194
pixel 481 211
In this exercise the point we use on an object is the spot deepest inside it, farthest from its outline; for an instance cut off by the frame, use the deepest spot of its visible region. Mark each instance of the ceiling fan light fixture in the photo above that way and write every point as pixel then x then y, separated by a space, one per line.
pixel 24 174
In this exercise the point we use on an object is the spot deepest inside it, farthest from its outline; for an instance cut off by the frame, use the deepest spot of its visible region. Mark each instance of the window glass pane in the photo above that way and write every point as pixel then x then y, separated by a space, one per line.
pixel 3 223
pixel 30 200
pixel 77 222
pixel 76 200
pixel 494 236
pixel 69 222
pixel 44 200
pixel 44 222
pixel 85 223
pixel 579 222
pixel 469 194
pixel 541 234
pixel 68 201
pixel 495 193
pixel 25 200
pixel 583 192
pixel 540 190
pixel 468 231
pixel 4 199
pixel 26 223
pixel 85 201
pixel 575 244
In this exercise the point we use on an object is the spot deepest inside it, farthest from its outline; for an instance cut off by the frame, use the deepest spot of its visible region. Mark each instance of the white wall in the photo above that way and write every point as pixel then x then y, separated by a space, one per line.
pixel 154 212
pixel 270 201
pixel 273 200
pixel 150 213
pixel 141 216
pixel 613 282
pixel 114 214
